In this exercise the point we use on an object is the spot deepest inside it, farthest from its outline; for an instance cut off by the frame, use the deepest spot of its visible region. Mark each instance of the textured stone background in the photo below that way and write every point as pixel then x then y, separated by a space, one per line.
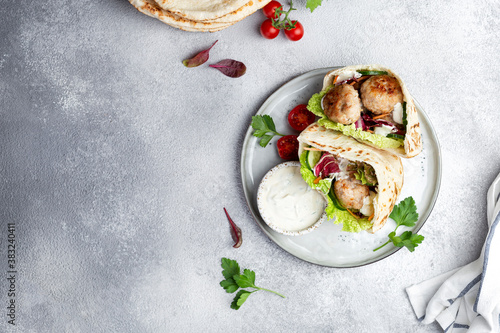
pixel 116 161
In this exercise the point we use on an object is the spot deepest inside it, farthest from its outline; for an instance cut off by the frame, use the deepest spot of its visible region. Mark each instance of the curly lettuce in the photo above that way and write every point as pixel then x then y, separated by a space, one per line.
pixel 349 222
pixel 314 105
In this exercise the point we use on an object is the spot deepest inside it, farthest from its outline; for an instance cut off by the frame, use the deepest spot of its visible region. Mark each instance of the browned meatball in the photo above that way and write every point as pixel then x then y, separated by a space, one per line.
pixel 342 104
pixel 380 93
pixel 351 192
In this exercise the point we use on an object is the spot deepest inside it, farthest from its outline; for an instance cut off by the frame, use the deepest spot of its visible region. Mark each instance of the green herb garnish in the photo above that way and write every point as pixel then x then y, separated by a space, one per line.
pixel 264 129
pixel 404 213
pixel 313 4
pixel 234 280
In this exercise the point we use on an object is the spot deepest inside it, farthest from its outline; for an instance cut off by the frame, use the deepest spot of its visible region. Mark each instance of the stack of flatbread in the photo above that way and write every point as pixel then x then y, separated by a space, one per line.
pixel 199 15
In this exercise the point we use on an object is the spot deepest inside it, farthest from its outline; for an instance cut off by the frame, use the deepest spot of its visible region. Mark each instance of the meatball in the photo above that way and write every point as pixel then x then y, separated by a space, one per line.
pixel 351 192
pixel 342 104
pixel 380 93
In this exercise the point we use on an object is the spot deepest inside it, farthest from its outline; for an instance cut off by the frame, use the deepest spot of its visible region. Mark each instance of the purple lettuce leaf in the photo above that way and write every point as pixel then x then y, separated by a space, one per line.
pixel 370 123
pixel 235 231
pixel 198 59
pixel 326 166
pixel 231 68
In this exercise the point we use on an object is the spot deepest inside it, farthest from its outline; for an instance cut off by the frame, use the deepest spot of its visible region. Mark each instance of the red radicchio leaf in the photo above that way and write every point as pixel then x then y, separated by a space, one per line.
pixel 231 68
pixel 198 59
pixel 370 122
pixel 235 231
pixel 361 124
pixel 326 166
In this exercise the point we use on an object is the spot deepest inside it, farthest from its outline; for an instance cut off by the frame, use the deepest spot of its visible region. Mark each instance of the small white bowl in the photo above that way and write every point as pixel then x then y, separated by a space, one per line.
pixel 266 217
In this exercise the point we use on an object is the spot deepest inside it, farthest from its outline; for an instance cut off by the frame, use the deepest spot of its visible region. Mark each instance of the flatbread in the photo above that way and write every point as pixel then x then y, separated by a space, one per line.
pixel 179 19
pixel 413 141
pixel 387 166
pixel 240 13
pixel 201 10
pixel 151 8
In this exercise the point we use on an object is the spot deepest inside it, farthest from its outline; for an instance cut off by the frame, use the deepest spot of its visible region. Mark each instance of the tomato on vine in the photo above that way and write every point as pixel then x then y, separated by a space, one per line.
pixel 269 10
pixel 271 27
pixel 267 29
pixel 295 32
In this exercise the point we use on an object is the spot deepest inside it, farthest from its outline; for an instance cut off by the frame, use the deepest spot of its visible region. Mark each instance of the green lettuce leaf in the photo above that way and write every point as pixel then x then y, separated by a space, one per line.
pixel 308 175
pixel 314 105
pixel 365 173
pixel 349 222
pixel 360 175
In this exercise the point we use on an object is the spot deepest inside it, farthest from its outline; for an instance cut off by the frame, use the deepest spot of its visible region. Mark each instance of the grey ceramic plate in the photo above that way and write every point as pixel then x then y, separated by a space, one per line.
pixel 329 245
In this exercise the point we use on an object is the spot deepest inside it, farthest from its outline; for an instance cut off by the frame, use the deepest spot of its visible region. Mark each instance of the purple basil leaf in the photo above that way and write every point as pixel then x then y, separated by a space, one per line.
pixel 198 59
pixel 235 231
pixel 231 68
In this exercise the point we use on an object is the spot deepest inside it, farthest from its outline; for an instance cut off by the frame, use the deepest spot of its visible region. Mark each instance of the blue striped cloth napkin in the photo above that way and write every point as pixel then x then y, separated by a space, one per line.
pixel 467 299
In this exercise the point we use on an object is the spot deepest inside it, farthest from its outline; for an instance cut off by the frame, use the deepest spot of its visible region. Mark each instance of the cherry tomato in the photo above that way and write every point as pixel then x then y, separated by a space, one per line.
pixel 288 147
pixel 300 117
pixel 296 33
pixel 267 30
pixel 270 9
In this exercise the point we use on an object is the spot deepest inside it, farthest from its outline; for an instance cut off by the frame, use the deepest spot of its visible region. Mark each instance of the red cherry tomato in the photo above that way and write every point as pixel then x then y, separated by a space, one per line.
pixel 270 9
pixel 296 33
pixel 300 117
pixel 267 30
pixel 288 147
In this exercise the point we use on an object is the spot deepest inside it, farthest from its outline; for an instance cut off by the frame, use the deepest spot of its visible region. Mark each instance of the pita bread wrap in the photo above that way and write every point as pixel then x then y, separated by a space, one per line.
pixel 388 170
pixel 206 15
pixel 408 147
pixel 202 10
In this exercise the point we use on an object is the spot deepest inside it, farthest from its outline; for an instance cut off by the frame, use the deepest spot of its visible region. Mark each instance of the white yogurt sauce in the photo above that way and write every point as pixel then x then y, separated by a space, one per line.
pixel 383 130
pixel 287 202
pixel 348 75
pixel 397 113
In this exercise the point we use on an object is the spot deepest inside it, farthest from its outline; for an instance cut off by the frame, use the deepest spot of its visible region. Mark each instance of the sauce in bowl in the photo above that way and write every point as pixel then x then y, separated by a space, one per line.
pixel 287 204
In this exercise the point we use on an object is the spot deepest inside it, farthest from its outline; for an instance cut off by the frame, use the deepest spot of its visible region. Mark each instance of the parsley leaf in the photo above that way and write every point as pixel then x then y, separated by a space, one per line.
pixel 230 268
pixel 234 280
pixel 406 239
pixel 404 213
pixel 247 279
pixel 240 298
pixel 262 126
pixel 313 4
pixel 229 285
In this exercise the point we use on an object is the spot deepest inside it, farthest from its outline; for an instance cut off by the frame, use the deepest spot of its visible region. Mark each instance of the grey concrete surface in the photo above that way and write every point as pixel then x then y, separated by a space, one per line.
pixel 116 162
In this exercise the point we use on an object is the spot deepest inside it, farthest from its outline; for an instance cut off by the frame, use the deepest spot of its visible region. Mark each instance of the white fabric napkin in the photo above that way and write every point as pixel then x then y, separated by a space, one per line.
pixel 466 299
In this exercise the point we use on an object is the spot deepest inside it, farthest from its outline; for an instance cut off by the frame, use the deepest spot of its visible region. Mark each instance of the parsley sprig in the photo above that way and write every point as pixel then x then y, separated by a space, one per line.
pixel 234 280
pixel 404 213
pixel 264 129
